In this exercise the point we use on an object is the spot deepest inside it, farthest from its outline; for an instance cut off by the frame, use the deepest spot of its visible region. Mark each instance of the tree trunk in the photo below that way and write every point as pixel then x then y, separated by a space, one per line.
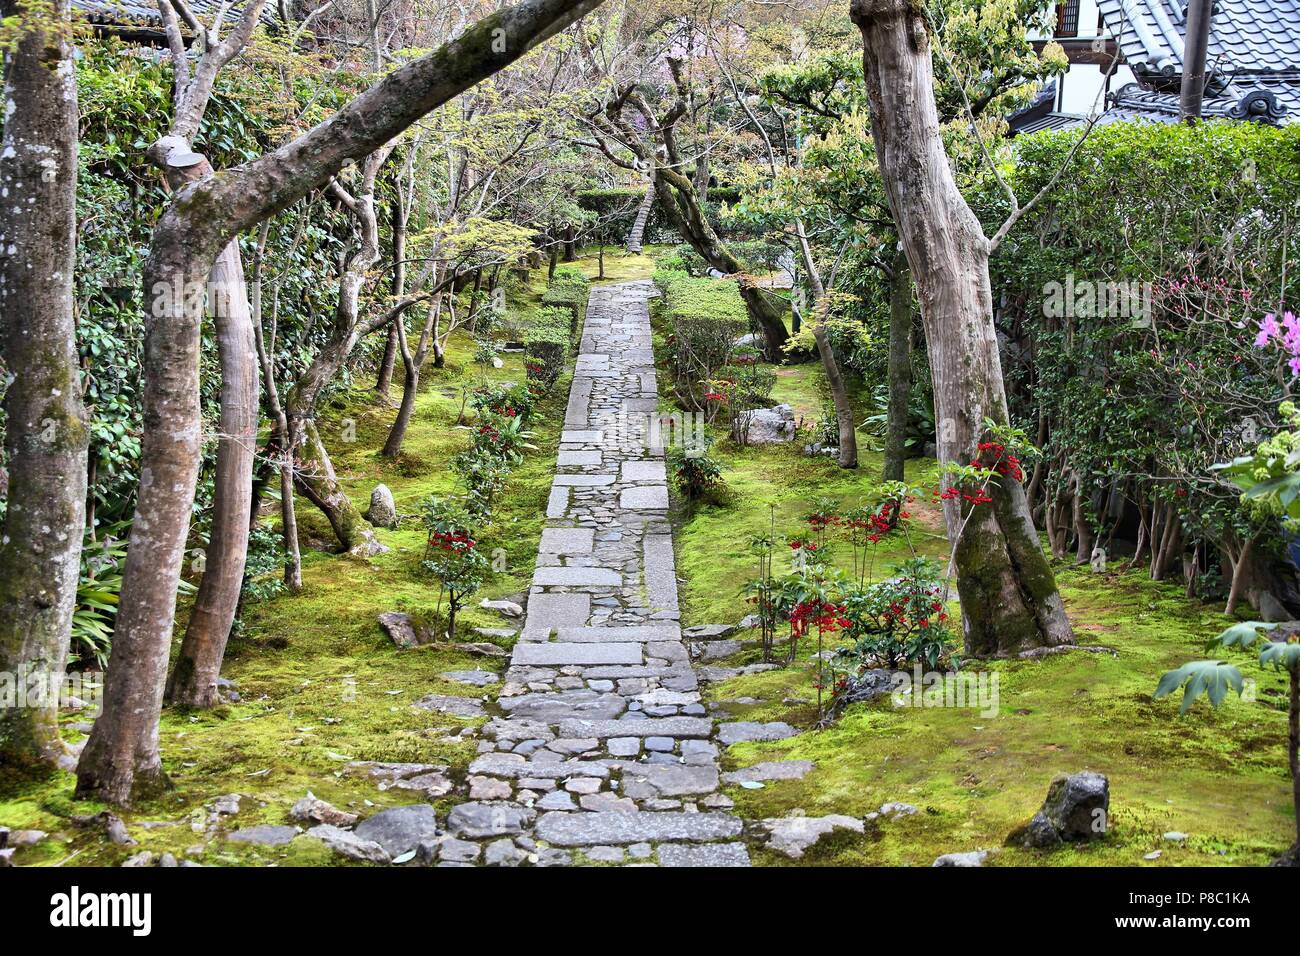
pixel 121 757
pixel 194 676
pixel 681 204
pixel 1009 597
pixel 900 368
pixel 46 434
pixel 1293 750
pixel 635 237
pixel 1239 575
pixel 570 244
pixel 400 215
pixel 281 439
pixel 411 386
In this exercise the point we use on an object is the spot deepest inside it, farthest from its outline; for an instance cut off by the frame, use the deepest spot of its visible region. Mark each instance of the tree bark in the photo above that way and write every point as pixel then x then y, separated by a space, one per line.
pixel 1009 597
pixel 121 758
pixel 900 368
pixel 411 363
pixel 400 217
pixel 193 681
pixel 46 434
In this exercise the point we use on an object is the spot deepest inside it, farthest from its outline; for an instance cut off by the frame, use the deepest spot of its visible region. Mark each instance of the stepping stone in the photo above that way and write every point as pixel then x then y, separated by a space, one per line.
pixel 748 730
pixel 508 608
pixel 557 800
pixel 547 612
pixel 643 471
pixel 558 503
pixel 576 577
pixel 583 481
pixel 585 436
pixel 550 707
pixel 660 572
pixel 642 633
pixel 557 654
pixel 513 765
pixel 596 829
pixel 708 854
pixel 399 829
pixel 676 780
pixel 480 820
pixel 649 727
pixel 773 770
pixel 644 498
pixel 566 540
pixel 577 458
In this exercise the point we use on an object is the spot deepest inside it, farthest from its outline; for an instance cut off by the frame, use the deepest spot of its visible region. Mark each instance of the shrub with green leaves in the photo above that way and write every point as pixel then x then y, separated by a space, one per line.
pixel 452 555
pixel 547 342
pixel 707 317
pixel 694 471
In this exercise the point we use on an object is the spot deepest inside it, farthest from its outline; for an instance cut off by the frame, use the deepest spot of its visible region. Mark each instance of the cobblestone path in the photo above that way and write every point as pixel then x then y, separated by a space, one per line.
pixel 603 752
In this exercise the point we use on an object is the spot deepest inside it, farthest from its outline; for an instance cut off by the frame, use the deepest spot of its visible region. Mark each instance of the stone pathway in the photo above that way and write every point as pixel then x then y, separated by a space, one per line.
pixel 604 752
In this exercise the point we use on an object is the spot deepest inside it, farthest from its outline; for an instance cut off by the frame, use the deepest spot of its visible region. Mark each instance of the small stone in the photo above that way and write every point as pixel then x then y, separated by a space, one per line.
pixel 746 730
pixel 488 788
pixel 710 854
pixel 557 800
pixel 508 608
pixel 312 809
pixel 639 851
pixel 793 835
pixel 401 629
pixel 624 746
pixel 972 858
pixel 582 785
pixel 503 852
pixel 458 851
pixel 264 835
pixel 1175 836
pixel 605 854
pixel 606 801
pixel 896 810
pixel 661 744
pixel 346 843
pixel 473 678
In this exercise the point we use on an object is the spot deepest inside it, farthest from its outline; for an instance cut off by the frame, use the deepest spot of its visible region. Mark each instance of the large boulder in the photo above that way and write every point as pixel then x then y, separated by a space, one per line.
pixel 1075 810
pixel 383 511
pixel 765 426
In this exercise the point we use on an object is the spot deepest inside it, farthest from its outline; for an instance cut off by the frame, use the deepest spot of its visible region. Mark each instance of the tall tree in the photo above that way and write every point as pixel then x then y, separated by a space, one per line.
pixel 1009 597
pixel 46 434
pixel 122 758
pixel 193 681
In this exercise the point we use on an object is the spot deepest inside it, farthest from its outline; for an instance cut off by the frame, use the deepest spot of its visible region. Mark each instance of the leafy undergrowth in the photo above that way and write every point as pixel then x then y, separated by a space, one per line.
pixel 1219 777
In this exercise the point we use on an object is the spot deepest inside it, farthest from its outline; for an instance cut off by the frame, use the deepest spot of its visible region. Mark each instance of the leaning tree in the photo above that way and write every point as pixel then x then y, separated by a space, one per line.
pixel 121 758
pixel 1010 601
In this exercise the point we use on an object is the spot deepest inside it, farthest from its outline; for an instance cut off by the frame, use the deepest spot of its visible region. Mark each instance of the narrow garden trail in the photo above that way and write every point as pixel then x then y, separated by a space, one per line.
pixel 604 746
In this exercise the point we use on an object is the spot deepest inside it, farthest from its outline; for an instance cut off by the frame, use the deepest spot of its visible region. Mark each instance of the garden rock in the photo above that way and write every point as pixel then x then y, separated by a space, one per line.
pixel 1076 809
pixel 264 835
pixel 765 426
pixel 312 809
pixel 793 835
pixel 382 512
pixel 401 629
pixel 508 608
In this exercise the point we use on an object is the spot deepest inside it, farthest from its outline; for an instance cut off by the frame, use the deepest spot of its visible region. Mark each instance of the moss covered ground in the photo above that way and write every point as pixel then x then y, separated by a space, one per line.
pixel 1219 777
pixel 321 685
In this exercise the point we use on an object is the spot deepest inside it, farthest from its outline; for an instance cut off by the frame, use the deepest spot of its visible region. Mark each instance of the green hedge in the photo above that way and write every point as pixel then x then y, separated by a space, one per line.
pixel 547 343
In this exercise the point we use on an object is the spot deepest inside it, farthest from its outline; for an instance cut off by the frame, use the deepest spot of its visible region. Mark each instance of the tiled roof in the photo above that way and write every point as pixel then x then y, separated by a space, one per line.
pixel 1270 100
pixel 145 12
pixel 1245 35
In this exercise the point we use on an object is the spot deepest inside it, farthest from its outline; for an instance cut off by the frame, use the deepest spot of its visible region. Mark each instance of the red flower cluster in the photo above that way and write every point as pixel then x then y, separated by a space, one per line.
pixel 822 615
pixel 1003 463
pixel 450 540
pixel 802 543
pixel 715 396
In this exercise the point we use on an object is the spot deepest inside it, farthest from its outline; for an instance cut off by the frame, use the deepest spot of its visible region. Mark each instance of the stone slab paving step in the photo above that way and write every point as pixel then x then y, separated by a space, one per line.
pixel 603 751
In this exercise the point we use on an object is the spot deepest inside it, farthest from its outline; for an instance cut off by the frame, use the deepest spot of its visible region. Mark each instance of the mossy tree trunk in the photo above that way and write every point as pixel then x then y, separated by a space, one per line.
pixel 1009 597
pixel 46 435
pixel 121 758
